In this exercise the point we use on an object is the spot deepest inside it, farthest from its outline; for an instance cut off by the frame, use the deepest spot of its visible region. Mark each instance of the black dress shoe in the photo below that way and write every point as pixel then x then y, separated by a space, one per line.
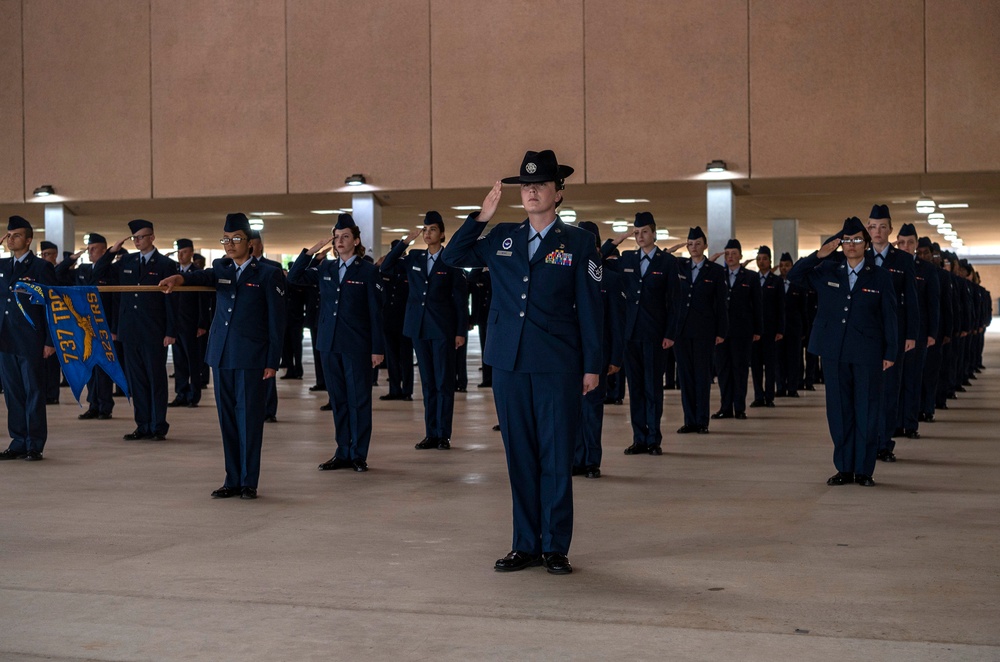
pixel 157 437
pixel 248 493
pixel 316 387
pixel 103 417
pixel 461 389
pixel 637 449
pixel 758 403
pixel 485 385
pixel 702 429
pixel 655 450
pixel 921 417
pixel 134 436
pixel 426 443
pixel 579 471
pixel 619 401
pixel 191 405
pixel 33 456
pixel 496 428
pixel 517 561
pixel 721 414
pixel 556 563
pixel 898 432
pixel 177 402
pixel 929 418
pixel 327 407
pixel 911 434
pixel 960 389
pixel 444 444
pixel 864 481
pixel 270 419
pixel 769 403
pixel 741 416
pixel 87 415
pixel 840 478
pixel 226 492
pixel 943 405
pixel 335 463
pixel 609 401
pixel 687 429
pixel 52 401
pixel 360 466
pixel 390 396
pixel 593 472
pixel 793 394
pixel 12 455
pixel 781 394
pixel 407 398
pixel 885 456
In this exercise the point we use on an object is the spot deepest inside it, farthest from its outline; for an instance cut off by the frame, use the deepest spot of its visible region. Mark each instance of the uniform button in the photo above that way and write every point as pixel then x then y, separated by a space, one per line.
pixel 233 296
pixel 335 313
pixel 521 314
pixel 525 279
pixel 135 307
pixel 338 289
pixel 845 309
pixel 848 297
pixel 227 323
pixel 230 310
pixel 843 321
pixel 423 303
pixel 524 296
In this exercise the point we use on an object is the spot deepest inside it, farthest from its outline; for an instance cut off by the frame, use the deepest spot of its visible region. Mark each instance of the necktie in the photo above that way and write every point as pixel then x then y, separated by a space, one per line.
pixel 430 263
pixel 878 260
pixel 532 246
pixel 644 264
pixel 732 278
pixel 852 278
pixel 341 271
pixel 142 261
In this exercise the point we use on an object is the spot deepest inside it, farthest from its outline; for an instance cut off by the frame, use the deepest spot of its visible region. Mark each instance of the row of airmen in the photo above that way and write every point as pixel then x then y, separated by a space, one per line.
pixel 716 325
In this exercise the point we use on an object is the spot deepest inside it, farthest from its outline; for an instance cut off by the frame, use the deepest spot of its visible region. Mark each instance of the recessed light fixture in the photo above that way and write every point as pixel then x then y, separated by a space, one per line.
pixel 935 216
pixel 953 205
pixel 467 208
pixel 265 213
pixel 898 202
pixel 716 165
pixel 630 201
pixel 44 191
pixel 257 224
pixel 516 206
pixel 325 211
pixel 935 221
pixel 925 206
pixel 568 215
pixel 357 179
pixel 663 234
pixel 957 242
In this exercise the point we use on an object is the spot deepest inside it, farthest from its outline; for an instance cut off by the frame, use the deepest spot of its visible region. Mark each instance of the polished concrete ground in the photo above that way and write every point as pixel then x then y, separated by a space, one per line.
pixel 728 547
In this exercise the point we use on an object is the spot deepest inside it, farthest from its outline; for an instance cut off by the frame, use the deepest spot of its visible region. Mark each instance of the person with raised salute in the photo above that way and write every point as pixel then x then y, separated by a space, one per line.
pixel 351 339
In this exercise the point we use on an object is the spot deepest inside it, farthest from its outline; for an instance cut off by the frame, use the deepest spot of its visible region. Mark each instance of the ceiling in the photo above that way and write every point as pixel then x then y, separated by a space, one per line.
pixel 820 205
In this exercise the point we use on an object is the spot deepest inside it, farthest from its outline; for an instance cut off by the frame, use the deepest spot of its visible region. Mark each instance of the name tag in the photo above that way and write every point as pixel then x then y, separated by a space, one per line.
pixel 682 277
pixel 128 271
pixel 504 253
pixel 628 271
pixel 327 277
pixel 833 284
pixel 225 281
pixel 417 269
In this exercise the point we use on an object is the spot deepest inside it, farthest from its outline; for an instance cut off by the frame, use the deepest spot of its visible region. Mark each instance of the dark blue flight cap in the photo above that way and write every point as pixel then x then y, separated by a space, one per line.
pixel 434 218
pixel 880 212
pixel 592 228
pixel 47 245
pixel 696 233
pixel 644 218
pixel 925 242
pixel 734 243
pixel 184 243
pixel 344 222
pixel 17 223
pixel 786 257
pixel 853 225
pixel 94 238
pixel 139 224
pixel 764 250
pixel 237 222
pixel 907 230
pixel 254 234
pixel 539 167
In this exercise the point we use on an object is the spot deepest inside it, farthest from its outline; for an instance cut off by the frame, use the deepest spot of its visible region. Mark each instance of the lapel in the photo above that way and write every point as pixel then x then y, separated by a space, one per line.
pixel 556 238
pixel 420 260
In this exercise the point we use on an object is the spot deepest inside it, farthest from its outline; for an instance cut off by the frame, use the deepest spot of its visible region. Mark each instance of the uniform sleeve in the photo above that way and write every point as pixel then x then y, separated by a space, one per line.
pixel 780 293
pixel 302 271
pixel 390 259
pixel 673 294
pixel 607 248
pixel 47 277
pixel 275 293
pixel 801 271
pixel 466 249
pixel 933 290
pixel 889 320
pixel 616 311
pixel 375 295
pixel 722 309
pixel 460 297
pixel 912 302
pixel 171 300
pixel 757 306
pixel 590 308
pixel 63 271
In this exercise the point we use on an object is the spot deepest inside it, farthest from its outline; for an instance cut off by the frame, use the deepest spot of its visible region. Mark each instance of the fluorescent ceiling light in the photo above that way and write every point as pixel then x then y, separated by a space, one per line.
pixel 568 215
pixel 325 211
pixel 266 213
pixel 620 227
pixel 257 224
pixel 663 234
pixel 630 201
pixel 935 216
pixel 467 208
pixel 935 221
pixel 954 205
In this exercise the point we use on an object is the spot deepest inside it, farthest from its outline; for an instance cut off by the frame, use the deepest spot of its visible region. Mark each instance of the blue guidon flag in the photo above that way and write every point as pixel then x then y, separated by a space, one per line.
pixel 79 332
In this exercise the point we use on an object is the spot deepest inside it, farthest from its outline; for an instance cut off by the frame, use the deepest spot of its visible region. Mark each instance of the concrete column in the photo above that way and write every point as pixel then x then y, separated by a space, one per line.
pixel 367 212
pixel 785 232
pixel 721 218
pixel 60 229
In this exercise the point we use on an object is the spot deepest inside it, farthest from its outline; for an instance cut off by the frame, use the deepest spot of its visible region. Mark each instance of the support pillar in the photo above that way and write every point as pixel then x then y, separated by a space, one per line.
pixel 785 232
pixel 721 216
pixel 60 229
pixel 367 212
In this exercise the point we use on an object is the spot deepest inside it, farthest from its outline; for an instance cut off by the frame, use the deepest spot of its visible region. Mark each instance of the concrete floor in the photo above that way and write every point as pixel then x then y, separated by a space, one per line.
pixel 730 546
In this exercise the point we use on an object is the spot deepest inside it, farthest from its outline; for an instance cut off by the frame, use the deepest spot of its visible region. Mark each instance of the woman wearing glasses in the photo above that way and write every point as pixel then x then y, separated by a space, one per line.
pixel 145 327
pixel 350 341
pixel 855 334
pixel 244 348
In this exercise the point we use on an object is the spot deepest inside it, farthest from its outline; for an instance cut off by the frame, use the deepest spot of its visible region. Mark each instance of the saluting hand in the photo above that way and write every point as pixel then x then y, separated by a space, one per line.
pixel 714 257
pixel 117 247
pixel 490 203
pixel 77 254
pixel 676 247
pixel 4 238
pixel 413 234
pixel 319 245
pixel 828 248
pixel 623 236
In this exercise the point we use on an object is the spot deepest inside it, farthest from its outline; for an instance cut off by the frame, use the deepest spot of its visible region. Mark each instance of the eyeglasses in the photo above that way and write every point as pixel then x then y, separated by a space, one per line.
pixel 232 240
pixel 137 237
pixel 855 241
